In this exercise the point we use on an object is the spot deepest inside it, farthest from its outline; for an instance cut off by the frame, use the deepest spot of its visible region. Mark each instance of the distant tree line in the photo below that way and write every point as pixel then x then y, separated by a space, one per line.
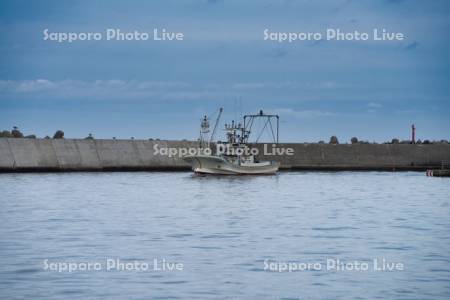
pixel 354 140
pixel 59 134
pixel 16 133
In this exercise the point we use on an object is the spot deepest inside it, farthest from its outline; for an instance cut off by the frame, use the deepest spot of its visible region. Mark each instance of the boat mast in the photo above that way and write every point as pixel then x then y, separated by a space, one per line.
pixel 215 127
pixel 249 119
pixel 204 130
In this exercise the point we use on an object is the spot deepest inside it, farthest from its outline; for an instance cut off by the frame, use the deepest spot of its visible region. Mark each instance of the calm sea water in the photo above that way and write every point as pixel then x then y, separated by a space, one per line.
pixel 232 235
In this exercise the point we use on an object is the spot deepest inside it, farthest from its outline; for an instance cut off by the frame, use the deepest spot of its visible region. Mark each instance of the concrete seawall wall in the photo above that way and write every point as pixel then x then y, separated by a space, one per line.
pixel 18 155
pixel 86 155
pixel 364 156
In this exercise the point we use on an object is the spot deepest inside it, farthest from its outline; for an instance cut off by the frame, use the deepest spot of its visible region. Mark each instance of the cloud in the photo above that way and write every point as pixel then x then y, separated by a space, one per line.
pixel 249 85
pixel 289 112
pixel 395 1
pixel 342 5
pixel 412 45
pixel 316 42
pixel 32 85
pixel 374 105
pixel 278 53
pixel 162 84
pixel 97 89
pixel 134 89
pixel 286 85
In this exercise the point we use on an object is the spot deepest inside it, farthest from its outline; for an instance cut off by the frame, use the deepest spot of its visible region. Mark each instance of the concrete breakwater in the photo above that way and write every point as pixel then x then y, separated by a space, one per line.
pixel 22 155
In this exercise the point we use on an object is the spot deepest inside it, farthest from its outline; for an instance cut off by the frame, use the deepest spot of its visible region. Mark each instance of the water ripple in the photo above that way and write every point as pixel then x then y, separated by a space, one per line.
pixel 224 230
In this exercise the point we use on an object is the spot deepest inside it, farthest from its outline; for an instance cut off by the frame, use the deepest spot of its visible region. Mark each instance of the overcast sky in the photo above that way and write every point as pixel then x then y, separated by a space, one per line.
pixel 370 89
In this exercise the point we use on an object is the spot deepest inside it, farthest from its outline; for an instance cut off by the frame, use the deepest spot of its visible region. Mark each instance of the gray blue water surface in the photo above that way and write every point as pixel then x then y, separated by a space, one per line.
pixel 224 231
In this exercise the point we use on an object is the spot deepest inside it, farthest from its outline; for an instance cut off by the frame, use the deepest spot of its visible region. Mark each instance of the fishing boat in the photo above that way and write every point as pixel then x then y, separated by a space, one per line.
pixel 233 157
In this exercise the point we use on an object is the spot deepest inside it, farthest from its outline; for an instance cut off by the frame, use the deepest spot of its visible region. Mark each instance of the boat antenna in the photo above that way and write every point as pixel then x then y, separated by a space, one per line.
pixel 235 107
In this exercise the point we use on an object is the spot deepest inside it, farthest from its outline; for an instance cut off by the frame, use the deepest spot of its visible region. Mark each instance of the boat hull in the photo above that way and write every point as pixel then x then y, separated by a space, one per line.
pixel 209 164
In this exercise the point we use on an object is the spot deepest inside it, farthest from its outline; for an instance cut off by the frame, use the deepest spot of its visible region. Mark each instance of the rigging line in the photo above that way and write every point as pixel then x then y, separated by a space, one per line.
pixel 271 129
pixel 262 131
pixel 249 126
pixel 250 129
pixel 213 114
